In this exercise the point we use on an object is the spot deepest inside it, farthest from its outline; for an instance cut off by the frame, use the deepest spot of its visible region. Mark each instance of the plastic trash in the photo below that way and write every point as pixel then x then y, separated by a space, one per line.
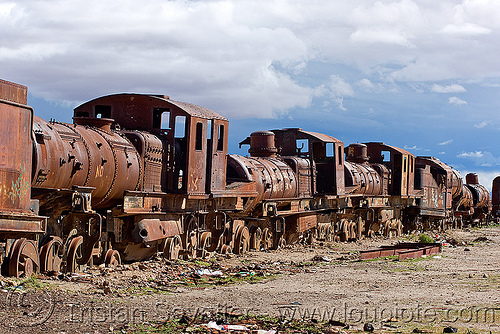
pixel 234 328
pixel 208 272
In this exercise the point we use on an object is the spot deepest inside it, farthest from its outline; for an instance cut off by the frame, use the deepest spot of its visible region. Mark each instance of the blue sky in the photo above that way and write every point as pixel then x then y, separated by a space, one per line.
pixel 422 75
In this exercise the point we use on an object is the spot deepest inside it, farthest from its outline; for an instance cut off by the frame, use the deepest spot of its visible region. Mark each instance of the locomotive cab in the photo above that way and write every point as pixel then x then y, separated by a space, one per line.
pixel 400 163
pixel 324 152
pixel 194 139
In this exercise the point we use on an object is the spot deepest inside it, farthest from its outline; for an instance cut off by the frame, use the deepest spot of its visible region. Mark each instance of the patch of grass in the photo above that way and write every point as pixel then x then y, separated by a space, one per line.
pixel 202 263
pixel 33 283
pixel 410 237
pixel 426 239
pixel 264 322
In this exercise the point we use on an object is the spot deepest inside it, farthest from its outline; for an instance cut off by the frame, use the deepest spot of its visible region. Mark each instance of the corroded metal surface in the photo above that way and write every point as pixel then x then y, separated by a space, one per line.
pixel 13 92
pixel 402 250
pixel 138 174
pixel 15 154
pixel 77 155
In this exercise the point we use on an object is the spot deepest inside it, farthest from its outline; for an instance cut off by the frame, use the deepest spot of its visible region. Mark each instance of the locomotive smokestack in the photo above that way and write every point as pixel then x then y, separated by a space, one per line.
pixel 262 144
pixel 357 153
pixel 472 178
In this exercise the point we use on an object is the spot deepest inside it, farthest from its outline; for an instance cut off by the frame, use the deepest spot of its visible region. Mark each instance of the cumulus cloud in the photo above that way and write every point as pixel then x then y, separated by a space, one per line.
pixel 456 100
pixel 448 89
pixel 476 154
pixel 245 58
pixel 481 158
pixel 366 84
pixel 194 51
pixel 446 142
pixel 337 88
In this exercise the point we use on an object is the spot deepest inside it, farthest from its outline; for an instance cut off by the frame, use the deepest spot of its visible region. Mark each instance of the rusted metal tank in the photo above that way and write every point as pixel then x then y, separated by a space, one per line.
pixel 456 183
pixel 362 179
pixel 480 194
pixel 15 148
pixel 150 149
pixel 303 170
pixel 20 224
pixel 465 201
pixel 495 196
pixel 89 155
pixel 273 178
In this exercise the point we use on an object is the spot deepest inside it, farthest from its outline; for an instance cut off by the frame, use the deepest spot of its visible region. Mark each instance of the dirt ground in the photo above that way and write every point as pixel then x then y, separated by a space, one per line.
pixel 320 284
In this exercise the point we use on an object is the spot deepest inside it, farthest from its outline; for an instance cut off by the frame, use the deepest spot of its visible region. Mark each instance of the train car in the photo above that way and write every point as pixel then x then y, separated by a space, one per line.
pixel 442 195
pixel 495 197
pixel 138 174
pixel 446 201
pixel 379 180
pixel 20 224
pixel 481 199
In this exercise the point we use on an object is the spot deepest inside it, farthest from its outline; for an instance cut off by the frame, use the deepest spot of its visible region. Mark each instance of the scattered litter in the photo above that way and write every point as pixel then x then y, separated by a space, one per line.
pixel 368 327
pixel 322 258
pixel 338 323
pixel 208 272
pixel 234 328
pixel 214 325
pixel 449 329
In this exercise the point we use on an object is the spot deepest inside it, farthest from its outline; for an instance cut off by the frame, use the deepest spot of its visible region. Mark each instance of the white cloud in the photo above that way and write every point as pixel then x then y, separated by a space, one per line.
pixel 245 57
pixel 337 89
pixel 446 142
pixel 415 148
pixel 371 36
pixel 366 84
pixel 448 89
pixel 481 158
pixel 456 100
pixel 469 29
pixel 482 124
pixel 476 154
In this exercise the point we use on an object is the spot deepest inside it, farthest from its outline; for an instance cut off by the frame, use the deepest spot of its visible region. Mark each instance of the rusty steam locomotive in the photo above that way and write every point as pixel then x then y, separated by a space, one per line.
pixel 139 174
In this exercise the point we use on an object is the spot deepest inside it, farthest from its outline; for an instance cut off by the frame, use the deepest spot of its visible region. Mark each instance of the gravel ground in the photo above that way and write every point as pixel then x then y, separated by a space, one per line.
pixel 460 287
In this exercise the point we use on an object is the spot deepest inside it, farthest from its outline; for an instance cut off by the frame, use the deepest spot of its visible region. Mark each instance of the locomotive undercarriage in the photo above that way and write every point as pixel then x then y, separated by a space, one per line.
pixel 144 226
pixel 71 238
pixel 80 237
